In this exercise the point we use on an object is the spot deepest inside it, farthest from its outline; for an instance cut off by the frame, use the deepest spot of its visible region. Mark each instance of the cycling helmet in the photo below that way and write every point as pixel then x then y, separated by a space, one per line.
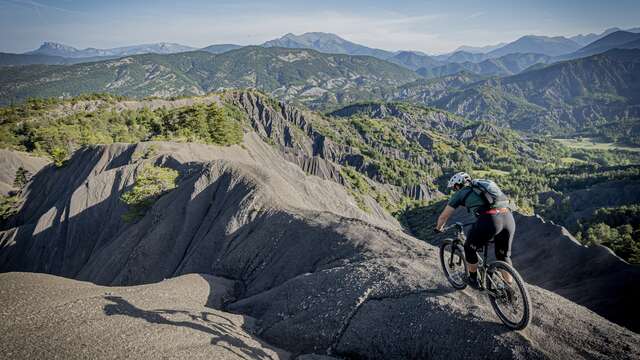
pixel 461 178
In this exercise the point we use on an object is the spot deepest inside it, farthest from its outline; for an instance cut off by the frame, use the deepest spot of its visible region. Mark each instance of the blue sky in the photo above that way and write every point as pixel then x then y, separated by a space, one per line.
pixel 430 26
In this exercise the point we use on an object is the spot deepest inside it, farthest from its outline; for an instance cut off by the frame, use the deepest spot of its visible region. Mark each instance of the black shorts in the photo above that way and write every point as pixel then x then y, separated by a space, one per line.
pixel 501 227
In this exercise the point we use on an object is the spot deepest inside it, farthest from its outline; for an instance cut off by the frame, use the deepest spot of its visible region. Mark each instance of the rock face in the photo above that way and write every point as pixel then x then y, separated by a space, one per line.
pixel 293 133
pixel 317 273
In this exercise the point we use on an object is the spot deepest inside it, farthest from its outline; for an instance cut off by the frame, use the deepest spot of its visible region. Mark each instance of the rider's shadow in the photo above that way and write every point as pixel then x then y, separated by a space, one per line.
pixel 220 328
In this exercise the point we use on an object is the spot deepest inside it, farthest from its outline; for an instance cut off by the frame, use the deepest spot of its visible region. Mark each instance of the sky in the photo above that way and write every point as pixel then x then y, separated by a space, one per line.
pixel 429 26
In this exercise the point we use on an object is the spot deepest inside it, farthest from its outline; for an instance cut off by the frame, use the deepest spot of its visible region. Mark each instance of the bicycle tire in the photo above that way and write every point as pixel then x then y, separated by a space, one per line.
pixel 524 295
pixel 448 243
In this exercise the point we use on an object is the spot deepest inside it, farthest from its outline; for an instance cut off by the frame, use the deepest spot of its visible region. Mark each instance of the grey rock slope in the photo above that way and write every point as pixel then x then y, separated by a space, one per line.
pixel 11 161
pixel 174 319
pixel 549 257
pixel 316 272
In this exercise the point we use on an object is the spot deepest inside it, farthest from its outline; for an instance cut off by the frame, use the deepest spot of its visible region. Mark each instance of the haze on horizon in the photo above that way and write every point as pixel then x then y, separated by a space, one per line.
pixel 429 26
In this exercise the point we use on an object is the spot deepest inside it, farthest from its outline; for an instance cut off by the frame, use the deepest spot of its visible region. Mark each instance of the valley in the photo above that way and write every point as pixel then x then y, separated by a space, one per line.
pixel 591 144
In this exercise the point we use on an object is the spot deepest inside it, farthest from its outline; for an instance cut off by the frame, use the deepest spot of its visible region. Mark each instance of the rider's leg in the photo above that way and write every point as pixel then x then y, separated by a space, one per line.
pixel 481 232
pixel 503 241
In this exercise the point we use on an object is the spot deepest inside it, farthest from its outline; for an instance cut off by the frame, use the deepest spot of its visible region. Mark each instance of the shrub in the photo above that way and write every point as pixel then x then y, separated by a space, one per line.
pixel 151 183
pixel 59 156
pixel 8 206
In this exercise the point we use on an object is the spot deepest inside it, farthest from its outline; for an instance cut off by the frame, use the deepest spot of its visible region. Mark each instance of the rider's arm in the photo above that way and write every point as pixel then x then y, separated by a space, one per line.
pixel 444 216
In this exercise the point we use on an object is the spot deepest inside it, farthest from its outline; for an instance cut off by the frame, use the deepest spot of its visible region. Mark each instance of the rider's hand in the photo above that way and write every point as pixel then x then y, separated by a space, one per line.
pixel 437 230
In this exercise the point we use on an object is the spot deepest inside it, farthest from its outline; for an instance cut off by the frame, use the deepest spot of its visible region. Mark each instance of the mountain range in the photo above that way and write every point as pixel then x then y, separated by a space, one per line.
pixel 614 40
pixel 550 46
pixel 585 39
pixel 304 75
pixel 558 98
pixel 505 65
pixel 322 80
pixel 56 49
pixel 479 49
pixel 556 47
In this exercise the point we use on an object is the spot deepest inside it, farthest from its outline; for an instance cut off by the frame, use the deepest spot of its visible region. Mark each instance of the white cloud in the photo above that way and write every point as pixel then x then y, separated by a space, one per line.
pixel 476 14
pixel 37 6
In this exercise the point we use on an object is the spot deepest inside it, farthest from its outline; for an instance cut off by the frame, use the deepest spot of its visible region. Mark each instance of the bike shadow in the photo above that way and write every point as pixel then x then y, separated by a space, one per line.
pixel 223 329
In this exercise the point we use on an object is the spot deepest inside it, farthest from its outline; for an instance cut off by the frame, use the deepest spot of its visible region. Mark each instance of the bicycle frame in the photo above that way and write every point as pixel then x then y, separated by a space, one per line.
pixel 482 269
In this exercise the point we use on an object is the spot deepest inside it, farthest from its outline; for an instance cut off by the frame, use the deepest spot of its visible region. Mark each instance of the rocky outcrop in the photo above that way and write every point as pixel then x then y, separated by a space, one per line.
pixel 292 131
pixel 421 192
pixel 317 273
pixel 409 114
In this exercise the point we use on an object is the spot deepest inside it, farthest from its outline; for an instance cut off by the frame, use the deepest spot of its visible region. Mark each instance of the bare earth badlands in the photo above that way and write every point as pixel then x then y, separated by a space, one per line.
pixel 277 259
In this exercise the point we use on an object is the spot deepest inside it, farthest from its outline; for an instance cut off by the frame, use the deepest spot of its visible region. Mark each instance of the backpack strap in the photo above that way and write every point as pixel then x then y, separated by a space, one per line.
pixel 464 199
pixel 471 189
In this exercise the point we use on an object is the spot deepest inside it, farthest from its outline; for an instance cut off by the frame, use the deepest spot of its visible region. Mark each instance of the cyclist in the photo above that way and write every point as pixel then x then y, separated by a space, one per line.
pixel 492 221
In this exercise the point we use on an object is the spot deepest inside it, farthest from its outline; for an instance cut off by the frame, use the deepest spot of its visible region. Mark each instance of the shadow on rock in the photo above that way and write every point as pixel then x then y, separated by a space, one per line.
pixel 222 328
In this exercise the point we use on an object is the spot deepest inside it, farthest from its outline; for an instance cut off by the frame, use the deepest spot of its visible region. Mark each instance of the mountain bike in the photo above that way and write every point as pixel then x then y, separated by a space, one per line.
pixel 513 306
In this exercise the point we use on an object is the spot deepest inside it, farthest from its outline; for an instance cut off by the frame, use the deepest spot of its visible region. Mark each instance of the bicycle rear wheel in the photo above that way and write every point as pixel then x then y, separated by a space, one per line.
pixel 453 264
pixel 511 302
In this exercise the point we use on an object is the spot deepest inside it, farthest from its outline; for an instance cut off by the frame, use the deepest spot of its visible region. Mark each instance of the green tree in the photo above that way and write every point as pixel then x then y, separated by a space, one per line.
pixel 223 129
pixel 22 178
pixel 151 182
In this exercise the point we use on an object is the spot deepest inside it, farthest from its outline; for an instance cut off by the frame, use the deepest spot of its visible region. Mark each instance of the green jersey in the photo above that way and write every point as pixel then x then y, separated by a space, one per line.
pixel 472 202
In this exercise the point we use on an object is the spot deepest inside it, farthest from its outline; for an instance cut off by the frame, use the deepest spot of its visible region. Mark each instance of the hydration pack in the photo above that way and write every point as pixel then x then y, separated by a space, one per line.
pixel 489 191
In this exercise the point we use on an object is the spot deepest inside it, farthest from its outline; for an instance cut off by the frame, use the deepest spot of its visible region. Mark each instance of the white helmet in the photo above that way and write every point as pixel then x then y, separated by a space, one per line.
pixel 461 178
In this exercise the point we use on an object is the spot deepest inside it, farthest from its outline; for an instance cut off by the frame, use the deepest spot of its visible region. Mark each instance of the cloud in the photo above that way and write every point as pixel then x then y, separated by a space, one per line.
pixel 37 6
pixel 476 15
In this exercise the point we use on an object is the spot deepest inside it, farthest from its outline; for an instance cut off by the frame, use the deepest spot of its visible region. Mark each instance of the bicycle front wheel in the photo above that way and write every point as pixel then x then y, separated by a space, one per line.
pixel 453 264
pixel 509 299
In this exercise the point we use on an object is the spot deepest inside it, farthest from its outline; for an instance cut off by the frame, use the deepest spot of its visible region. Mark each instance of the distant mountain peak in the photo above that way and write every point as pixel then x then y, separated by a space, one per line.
pixel 586 39
pixel 479 49
pixel 56 45
pixel 326 43
pixel 538 44
pixel 618 39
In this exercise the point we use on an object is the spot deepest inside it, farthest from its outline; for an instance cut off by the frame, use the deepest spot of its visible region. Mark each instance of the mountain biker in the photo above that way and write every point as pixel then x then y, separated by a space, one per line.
pixel 492 221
